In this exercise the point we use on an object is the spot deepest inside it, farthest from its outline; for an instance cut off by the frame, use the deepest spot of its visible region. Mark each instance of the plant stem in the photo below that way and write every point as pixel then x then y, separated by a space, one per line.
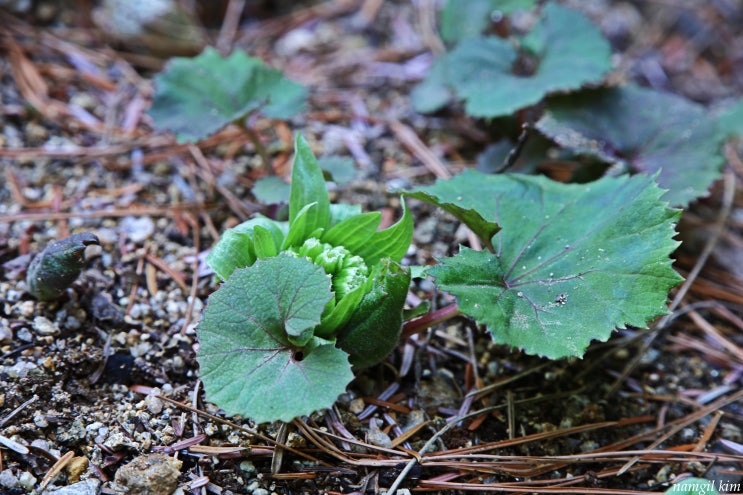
pixel 428 320
pixel 257 144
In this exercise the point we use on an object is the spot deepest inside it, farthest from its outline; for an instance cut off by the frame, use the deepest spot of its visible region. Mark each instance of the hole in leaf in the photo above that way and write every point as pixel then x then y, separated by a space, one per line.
pixel 298 355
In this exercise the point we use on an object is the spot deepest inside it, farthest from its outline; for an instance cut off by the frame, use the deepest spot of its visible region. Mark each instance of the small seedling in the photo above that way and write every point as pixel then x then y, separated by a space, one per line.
pixel 496 77
pixel 58 265
pixel 196 97
pixel 303 301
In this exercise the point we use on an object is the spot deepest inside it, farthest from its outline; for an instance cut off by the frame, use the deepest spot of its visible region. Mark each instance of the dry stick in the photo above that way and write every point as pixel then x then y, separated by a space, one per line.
pixel 230 23
pixel 278 453
pixel 142 211
pixel 257 144
pixel 409 466
pixel 243 429
pixel 56 469
pixel 410 140
pixel 677 425
pixel 195 276
pixel 715 334
pixel 727 204
pixel 18 409
pixel 426 17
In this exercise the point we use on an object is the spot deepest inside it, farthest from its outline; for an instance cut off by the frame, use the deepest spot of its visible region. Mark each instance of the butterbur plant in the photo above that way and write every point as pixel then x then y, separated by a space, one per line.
pixel 302 301
pixel 305 300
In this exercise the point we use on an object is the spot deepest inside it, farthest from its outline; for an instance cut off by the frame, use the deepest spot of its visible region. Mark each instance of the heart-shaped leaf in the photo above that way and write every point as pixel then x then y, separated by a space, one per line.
pixel 258 357
pixel 641 130
pixel 195 97
pixel 570 52
pixel 571 263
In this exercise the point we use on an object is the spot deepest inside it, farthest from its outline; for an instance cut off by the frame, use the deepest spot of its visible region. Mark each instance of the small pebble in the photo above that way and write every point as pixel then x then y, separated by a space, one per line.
pixel 154 474
pixel 137 229
pixel 356 405
pixel 27 480
pixel 77 467
pixel 6 335
pixel 44 326
pixel 154 404
pixel 8 479
pixel 377 437
pixel 91 486
pixel 24 335
pixel 27 308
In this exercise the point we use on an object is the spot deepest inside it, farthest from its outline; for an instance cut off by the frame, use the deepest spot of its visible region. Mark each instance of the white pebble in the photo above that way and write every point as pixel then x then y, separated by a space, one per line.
pixel 44 326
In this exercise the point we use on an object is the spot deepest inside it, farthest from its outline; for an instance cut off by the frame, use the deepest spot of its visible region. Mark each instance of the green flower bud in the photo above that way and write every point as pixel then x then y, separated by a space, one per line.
pixel 347 271
pixel 57 266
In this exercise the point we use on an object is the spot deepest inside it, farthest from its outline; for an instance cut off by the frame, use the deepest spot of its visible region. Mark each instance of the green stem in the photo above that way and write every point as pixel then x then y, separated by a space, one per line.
pixel 257 144
pixel 428 320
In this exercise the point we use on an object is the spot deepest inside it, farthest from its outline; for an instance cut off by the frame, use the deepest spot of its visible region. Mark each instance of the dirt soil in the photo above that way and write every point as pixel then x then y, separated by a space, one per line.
pixel 101 384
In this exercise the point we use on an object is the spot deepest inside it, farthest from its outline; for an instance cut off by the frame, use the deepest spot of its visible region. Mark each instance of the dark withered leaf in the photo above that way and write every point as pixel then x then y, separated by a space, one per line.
pixel 58 265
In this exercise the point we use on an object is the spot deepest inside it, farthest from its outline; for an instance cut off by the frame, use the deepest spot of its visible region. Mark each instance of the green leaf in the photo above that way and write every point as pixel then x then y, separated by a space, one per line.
pixel 342 169
pixel 196 97
pixel 308 186
pixel 434 92
pixel 470 18
pixel 644 131
pixel 693 486
pixel 445 195
pixel 340 314
pixel 392 242
pixel 300 230
pixel 342 211
pixel 572 261
pixel 353 232
pixel 264 243
pixel 374 329
pixel 481 70
pixel 248 364
pixel 271 190
pixel 730 119
pixel 236 249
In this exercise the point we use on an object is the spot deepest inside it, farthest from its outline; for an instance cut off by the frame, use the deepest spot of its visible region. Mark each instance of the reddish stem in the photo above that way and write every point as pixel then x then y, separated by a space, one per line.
pixel 428 320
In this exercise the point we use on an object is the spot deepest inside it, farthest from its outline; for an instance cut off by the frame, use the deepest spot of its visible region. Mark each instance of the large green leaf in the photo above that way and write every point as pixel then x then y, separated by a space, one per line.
pixel 570 52
pixel 571 263
pixel 195 97
pixel 641 130
pixel 257 355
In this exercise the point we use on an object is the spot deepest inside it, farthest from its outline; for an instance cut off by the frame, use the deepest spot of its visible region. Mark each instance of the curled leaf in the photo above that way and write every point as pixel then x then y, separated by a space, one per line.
pixel 374 328
pixel 58 265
